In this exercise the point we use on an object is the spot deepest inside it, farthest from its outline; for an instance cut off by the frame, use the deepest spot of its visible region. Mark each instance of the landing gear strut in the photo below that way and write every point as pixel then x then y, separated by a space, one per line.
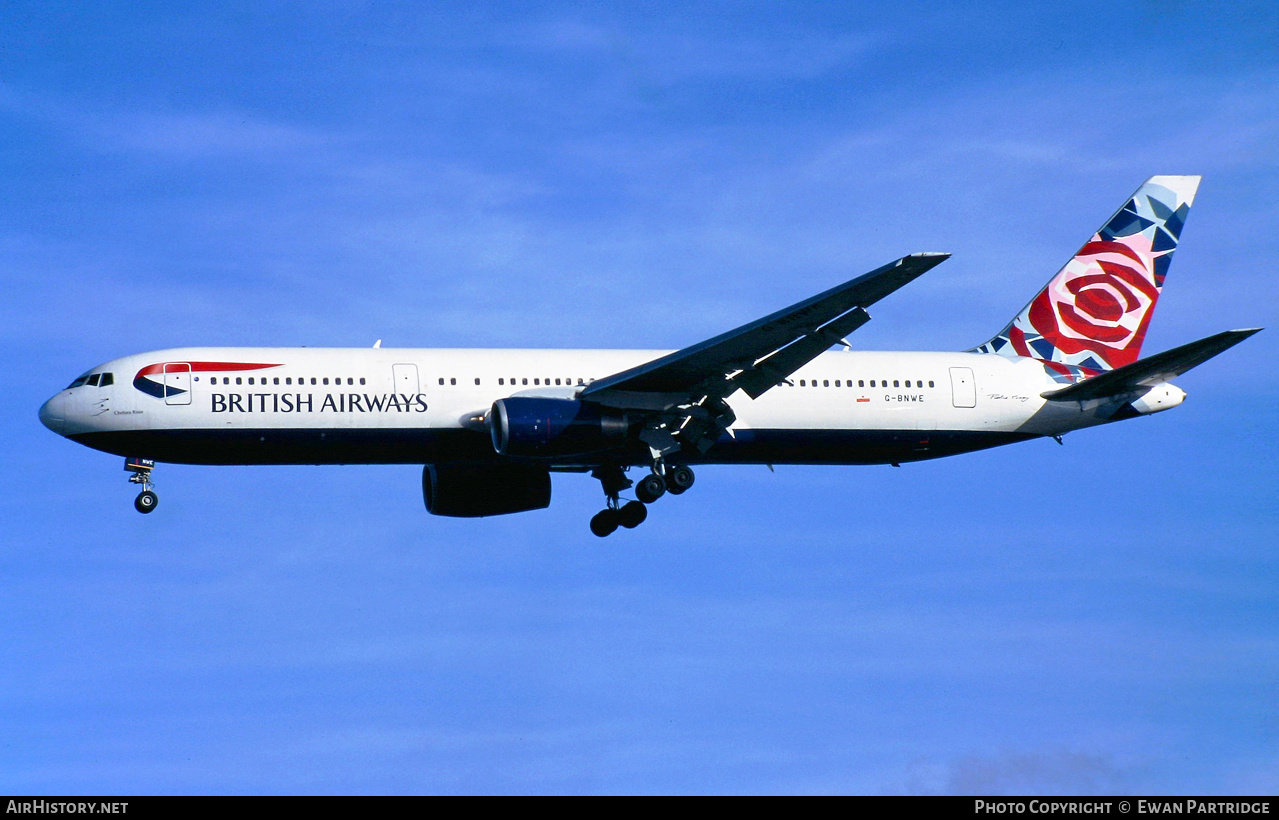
pixel 141 474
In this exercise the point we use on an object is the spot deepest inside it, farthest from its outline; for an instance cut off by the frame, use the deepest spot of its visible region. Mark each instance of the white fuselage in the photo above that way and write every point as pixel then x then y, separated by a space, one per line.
pixel 380 405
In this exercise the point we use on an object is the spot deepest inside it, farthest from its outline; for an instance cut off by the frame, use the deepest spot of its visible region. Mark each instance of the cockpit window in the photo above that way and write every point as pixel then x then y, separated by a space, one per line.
pixel 94 380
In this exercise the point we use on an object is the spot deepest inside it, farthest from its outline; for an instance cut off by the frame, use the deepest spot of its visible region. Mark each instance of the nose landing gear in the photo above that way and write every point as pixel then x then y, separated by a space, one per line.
pixel 141 474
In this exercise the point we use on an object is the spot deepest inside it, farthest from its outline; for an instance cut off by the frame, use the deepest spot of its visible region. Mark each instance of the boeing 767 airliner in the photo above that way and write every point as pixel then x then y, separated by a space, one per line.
pixel 490 426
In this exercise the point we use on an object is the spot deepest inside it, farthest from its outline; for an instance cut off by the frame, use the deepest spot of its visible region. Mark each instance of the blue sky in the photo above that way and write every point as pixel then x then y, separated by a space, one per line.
pixel 1098 617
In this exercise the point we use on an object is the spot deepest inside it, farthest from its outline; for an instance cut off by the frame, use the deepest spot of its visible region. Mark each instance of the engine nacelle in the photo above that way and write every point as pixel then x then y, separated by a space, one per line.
pixel 475 490
pixel 535 427
pixel 1162 396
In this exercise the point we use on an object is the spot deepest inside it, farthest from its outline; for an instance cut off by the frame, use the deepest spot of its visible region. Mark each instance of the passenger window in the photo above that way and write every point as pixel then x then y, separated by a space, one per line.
pixel 537 381
pixel 326 380
pixel 524 381
pixel 557 381
pixel 501 381
pixel 361 380
pixel 895 384
pixel 313 380
pixel 930 382
pixel 825 382
pixel 250 380
pixel 441 381
pixel 477 381
pixel 872 382
pixel 803 383
pixel 276 380
pixel 452 381
pixel 837 382
pixel 579 381
pixel 238 381
pixel 288 380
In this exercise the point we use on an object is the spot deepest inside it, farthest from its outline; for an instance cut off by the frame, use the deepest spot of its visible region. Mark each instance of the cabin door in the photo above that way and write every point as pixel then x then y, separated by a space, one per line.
pixel 177 383
pixel 405 379
pixel 963 389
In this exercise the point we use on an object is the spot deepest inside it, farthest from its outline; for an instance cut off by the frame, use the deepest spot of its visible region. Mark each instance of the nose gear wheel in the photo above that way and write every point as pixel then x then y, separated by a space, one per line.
pixel 140 469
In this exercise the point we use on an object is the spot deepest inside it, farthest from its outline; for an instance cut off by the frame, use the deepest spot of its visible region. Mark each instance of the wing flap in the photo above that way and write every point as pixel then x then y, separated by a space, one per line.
pixel 1152 370
pixel 777 366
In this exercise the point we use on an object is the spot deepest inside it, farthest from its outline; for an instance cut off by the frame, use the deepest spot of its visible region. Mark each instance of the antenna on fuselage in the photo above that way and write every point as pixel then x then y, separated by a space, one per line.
pixel 377 344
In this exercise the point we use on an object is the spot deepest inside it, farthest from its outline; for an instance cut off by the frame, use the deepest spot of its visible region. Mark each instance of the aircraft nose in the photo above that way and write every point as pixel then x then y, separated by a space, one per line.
pixel 53 413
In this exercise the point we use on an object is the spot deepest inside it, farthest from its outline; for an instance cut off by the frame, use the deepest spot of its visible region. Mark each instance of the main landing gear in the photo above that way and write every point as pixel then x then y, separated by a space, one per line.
pixel 653 486
pixel 616 514
pixel 141 469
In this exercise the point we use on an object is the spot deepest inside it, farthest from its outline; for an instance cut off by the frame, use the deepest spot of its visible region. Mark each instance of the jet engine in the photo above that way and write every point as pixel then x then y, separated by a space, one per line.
pixel 536 427
pixel 475 490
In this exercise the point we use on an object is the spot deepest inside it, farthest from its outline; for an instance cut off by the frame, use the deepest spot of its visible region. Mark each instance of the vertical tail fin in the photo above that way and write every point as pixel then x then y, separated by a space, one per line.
pixel 1094 313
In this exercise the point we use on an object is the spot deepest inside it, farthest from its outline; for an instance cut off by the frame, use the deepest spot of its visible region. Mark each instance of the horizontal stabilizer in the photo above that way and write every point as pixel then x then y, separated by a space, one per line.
pixel 1152 370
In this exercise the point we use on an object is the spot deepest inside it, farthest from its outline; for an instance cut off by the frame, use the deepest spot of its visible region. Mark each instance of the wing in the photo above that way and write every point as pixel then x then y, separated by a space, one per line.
pixel 1152 370
pixel 683 393
pixel 763 353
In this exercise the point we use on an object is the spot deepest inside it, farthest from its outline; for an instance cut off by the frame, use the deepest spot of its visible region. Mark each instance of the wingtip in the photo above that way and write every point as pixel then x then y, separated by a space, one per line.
pixel 926 259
